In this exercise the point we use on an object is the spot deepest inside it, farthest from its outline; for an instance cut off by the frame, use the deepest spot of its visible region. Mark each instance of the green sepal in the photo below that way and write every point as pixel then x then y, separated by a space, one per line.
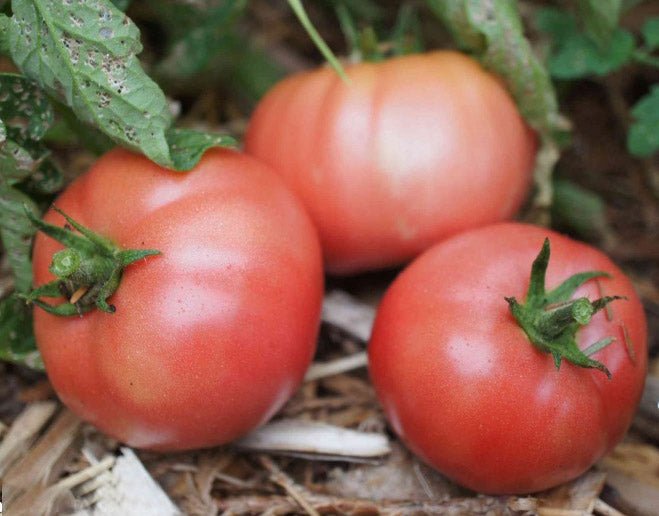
pixel 88 270
pixel 551 319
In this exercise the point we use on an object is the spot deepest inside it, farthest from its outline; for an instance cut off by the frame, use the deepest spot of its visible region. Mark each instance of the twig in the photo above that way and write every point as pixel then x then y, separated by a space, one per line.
pixel 425 485
pixel 605 509
pixel 341 365
pixel 85 475
pixel 24 431
pixel 282 479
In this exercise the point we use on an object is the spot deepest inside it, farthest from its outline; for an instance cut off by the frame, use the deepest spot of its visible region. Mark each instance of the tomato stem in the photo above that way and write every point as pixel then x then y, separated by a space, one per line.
pixel 551 319
pixel 88 269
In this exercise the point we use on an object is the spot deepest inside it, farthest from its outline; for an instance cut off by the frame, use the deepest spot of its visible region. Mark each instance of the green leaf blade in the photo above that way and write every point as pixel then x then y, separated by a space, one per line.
pixel 199 38
pixel 16 233
pixel 25 110
pixel 17 342
pixel 650 33
pixel 575 54
pixel 188 146
pixel 4 31
pixel 643 137
pixel 600 19
pixel 566 289
pixel 16 163
pixel 83 53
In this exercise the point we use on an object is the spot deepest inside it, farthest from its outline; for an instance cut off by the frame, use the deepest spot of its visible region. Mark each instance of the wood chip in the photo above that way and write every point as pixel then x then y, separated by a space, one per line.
pixel 40 500
pixel 341 365
pixel 131 491
pixel 349 314
pixel 313 438
pixel 296 492
pixel 23 432
pixel 637 460
pixel 633 473
pixel 400 477
pixel 40 464
pixel 578 496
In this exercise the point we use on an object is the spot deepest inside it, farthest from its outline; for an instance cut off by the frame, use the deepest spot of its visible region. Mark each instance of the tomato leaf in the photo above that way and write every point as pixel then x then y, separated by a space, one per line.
pixel 643 137
pixel 25 109
pixel 574 54
pixel 600 19
pixel 580 210
pixel 200 33
pixel 4 30
pixel 16 163
pixel 48 179
pixel 121 4
pixel 16 233
pixel 26 115
pixel 187 146
pixel 16 338
pixel 84 54
pixel 650 33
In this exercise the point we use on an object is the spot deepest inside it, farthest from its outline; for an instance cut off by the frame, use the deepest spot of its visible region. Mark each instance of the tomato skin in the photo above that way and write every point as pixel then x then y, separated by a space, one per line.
pixel 462 385
pixel 414 149
pixel 209 338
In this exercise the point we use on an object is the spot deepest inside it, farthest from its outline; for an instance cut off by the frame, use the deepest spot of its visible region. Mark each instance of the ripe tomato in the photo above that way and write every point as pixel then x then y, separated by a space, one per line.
pixel 463 386
pixel 209 338
pixel 412 150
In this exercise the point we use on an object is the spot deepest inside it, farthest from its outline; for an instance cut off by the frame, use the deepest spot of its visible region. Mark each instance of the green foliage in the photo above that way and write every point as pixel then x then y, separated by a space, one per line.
pixel 25 109
pixel 599 48
pixel 16 234
pixel 122 5
pixel 301 13
pixel 16 338
pixel 643 137
pixel 26 115
pixel 84 54
pixel 4 30
pixel 199 33
pixel 188 146
pixel 406 36
pixel 600 18
pixel 574 54
pixel 579 210
pixel 650 33
pixel 206 39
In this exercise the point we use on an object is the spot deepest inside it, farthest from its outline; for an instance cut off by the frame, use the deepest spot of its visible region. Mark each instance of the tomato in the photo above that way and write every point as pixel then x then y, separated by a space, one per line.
pixel 210 337
pixel 464 387
pixel 411 150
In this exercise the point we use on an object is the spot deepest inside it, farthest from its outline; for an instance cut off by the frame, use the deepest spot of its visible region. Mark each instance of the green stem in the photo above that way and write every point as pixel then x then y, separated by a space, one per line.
pixel 301 13
pixel 555 320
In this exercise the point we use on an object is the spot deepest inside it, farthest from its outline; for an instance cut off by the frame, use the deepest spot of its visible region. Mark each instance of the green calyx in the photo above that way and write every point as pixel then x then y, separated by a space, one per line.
pixel 551 319
pixel 88 270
